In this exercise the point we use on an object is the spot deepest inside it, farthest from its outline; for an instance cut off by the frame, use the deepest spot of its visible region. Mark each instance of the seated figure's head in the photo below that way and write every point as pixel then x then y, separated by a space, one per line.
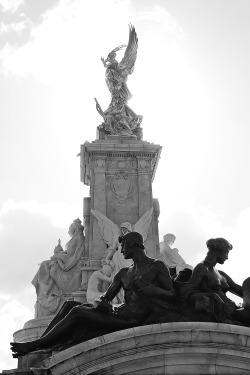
pixel 169 239
pixel 130 242
pixel 76 227
pixel 126 227
pixel 220 248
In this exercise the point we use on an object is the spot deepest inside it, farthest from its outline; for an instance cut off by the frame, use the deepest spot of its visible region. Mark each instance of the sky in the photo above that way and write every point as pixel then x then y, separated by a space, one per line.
pixel 191 83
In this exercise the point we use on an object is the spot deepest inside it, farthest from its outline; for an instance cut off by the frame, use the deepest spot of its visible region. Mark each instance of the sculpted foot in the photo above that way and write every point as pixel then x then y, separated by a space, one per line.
pixel 22 348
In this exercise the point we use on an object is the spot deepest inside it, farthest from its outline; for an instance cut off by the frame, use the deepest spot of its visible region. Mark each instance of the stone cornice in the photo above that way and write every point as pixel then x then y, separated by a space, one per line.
pixel 118 148
pixel 181 347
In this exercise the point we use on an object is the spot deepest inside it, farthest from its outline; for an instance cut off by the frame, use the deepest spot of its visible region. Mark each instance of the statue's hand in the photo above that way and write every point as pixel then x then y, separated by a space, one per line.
pixel 102 305
pixel 139 283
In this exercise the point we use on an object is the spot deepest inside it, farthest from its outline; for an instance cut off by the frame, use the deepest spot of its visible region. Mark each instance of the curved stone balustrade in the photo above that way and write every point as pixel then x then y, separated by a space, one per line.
pixel 167 348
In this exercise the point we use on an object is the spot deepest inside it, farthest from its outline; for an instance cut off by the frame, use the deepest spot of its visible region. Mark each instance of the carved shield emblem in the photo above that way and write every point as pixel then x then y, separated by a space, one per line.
pixel 121 187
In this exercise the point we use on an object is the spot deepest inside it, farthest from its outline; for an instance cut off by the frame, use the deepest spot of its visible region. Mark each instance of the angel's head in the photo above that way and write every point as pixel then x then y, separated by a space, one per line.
pixel 112 55
pixel 126 227
pixel 130 242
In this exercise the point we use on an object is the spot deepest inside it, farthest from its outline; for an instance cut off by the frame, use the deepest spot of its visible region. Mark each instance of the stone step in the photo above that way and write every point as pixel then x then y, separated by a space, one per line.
pixel 17 372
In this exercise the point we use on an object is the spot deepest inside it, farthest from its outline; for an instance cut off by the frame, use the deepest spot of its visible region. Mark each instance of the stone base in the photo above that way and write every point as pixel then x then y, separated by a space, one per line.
pixel 33 359
pixel 103 134
pixel 167 348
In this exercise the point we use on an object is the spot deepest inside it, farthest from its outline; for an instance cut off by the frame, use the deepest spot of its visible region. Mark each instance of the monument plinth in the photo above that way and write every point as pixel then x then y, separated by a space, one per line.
pixel 120 171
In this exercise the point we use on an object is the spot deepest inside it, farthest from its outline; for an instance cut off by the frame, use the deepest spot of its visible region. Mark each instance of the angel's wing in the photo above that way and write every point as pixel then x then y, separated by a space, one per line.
pixel 128 60
pixel 108 230
pixel 142 225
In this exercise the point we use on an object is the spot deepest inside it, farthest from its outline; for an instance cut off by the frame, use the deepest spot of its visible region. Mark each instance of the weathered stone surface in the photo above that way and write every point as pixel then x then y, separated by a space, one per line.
pixel 168 348
pixel 120 171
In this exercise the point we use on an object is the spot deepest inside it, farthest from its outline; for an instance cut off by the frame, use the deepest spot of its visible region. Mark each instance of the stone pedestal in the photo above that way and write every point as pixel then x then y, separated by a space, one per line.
pixel 120 171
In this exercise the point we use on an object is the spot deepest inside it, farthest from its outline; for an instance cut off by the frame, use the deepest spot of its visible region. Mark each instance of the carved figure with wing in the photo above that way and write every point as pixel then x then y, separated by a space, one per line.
pixel 119 118
pixel 110 233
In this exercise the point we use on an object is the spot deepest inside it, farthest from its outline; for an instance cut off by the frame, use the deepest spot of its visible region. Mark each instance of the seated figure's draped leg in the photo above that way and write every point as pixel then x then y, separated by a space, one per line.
pixel 64 310
pixel 80 324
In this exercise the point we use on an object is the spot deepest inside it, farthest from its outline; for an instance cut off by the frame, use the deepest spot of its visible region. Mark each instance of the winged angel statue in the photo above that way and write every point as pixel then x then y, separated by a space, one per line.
pixel 119 118
pixel 110 233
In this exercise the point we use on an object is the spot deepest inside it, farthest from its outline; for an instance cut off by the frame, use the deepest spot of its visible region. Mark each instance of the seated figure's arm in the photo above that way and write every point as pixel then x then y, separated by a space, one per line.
pixel 103 303
pixel 114 287
pixel 234 288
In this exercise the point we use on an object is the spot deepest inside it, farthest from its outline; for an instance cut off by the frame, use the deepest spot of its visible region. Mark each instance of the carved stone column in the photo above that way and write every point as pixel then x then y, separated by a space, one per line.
pixel 86 221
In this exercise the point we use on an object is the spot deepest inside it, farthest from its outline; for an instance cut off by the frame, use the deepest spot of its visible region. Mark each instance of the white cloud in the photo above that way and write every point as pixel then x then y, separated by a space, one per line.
pixel 164 20
pixel 13 314
pixel 10 5
pixel 17 27
pixel 29 233
pixel 63 44
pixel 59 214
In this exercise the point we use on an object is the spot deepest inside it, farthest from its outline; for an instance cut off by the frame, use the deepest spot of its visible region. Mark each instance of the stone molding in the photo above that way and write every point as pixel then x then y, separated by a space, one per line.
pixel 144 157
pixel 167 348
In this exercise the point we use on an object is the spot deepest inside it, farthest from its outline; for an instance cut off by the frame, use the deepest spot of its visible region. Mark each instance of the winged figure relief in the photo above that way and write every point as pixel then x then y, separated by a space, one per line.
pixel 110 233
pixel 119 118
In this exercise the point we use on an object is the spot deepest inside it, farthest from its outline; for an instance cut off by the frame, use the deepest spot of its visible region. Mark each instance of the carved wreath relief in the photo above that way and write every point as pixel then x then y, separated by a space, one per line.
pixel 121 187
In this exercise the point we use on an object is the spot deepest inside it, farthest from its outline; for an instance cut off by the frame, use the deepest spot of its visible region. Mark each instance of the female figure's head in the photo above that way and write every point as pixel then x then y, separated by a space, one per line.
pixel 218 248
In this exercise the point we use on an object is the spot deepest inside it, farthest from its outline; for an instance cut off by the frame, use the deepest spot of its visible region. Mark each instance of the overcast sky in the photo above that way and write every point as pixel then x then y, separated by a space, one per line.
pixel 191 83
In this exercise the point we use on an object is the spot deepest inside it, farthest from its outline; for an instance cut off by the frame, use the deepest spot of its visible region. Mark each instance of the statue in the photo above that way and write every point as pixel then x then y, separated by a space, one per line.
pixel 119 118
pixel 171 257
pixel 206 290
pixel 150 296
pixel 99 282
pixel 61 274
pixel 148 289
pixel 110 233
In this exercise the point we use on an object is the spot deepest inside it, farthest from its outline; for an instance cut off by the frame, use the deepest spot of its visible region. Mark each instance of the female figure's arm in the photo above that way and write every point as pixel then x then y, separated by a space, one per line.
pixel 234 288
